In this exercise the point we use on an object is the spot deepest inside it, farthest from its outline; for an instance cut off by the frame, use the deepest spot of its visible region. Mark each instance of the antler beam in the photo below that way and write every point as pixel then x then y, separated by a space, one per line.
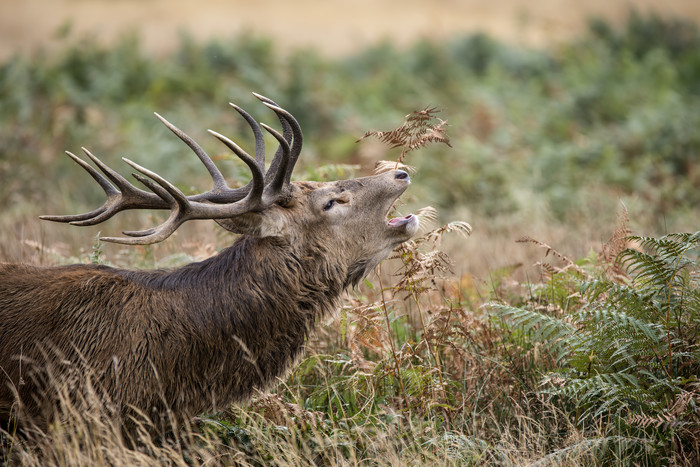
pixel 220 202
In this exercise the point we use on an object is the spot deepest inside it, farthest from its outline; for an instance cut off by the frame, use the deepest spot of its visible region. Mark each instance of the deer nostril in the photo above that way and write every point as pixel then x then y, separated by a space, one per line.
pixel 401 175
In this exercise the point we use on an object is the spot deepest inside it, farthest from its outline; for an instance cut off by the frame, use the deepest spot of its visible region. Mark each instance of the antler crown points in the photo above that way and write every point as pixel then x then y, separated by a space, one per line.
pixel 217 203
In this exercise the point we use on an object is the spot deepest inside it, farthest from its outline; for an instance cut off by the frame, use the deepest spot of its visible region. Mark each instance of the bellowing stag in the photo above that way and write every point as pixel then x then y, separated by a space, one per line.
pixel 189 340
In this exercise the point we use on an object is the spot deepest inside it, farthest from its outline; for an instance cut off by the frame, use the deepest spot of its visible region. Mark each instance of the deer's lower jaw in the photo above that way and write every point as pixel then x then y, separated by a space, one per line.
pixel 401 221
pixel 404 226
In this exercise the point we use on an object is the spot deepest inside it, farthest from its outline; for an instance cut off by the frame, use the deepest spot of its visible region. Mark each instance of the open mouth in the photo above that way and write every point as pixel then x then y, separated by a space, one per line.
pixel 403 227
pixel 400 221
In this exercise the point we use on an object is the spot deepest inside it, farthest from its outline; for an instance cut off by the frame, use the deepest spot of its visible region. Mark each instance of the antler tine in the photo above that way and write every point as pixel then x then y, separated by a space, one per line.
pixel 217 177
pixel 297 140
pixel 277 183
pixel 184 208
pixel 265 99
pixel 111 174
pixel 127 197
pixel 103 182
pixel 109 189
pixel 166 191
pixel 255 194
pixel 257 132
pixel 162 193
pixel 150 236
pixel 124 196
pixel 179 204
pixel 264 190
pixel 288 136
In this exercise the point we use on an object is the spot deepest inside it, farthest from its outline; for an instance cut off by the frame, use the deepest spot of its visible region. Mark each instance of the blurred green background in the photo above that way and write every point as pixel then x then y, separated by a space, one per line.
pixel 547 139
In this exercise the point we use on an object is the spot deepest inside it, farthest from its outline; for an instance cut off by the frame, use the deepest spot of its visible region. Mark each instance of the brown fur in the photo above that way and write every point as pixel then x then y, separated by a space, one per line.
pixel 202 336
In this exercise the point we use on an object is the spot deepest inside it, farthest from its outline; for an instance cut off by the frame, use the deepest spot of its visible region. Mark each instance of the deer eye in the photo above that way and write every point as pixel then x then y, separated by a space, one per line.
pixel 329 205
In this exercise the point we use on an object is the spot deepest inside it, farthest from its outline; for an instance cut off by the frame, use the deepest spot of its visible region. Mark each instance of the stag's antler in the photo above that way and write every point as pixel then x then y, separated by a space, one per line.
pixel 264 190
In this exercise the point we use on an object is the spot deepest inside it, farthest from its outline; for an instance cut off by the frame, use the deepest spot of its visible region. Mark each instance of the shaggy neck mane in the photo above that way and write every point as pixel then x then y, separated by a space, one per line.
pixel 259 298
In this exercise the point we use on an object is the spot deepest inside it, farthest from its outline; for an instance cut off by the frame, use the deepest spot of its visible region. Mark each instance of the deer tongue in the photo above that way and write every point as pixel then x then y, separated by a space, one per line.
pixel 399 221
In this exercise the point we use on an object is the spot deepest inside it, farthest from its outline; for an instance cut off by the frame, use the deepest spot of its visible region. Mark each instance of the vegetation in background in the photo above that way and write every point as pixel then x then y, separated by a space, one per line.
pixel 624 331
pixel 596 362
pixel 612 115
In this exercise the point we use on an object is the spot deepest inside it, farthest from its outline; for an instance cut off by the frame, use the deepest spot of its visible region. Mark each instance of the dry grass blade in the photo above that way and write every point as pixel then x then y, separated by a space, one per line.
pixel 548 268
pixel 427 216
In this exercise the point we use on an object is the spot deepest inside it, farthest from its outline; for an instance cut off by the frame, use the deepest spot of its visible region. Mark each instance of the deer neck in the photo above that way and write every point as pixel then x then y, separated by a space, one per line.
pixel 261 294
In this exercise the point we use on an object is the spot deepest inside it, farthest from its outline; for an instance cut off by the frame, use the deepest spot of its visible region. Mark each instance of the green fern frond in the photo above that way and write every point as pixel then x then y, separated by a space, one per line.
pixel 669 256
pixel 648 269
pixel 601 394
pixel 614 293
pixel 632 326
pixel 671 245
pixel 594 449
pixel 558 336
pixel 588 448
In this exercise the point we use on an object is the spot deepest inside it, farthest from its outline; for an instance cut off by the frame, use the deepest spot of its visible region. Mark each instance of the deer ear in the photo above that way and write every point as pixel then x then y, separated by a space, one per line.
pixel 269 223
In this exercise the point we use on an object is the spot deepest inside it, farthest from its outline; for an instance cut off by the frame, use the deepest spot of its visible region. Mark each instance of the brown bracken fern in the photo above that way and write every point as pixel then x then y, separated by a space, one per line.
pixel 420 128
pixel 619 241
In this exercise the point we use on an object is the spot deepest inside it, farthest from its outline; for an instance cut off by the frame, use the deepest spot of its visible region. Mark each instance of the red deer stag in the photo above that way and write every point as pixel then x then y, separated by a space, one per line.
pixel 192 339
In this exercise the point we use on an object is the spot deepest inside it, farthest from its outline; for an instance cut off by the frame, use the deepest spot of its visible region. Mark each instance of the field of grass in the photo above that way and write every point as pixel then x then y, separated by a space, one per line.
pixel 460 350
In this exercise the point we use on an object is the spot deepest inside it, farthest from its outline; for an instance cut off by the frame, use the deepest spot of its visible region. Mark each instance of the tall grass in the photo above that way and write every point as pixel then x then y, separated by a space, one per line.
pixel 595 364
pixel 587 363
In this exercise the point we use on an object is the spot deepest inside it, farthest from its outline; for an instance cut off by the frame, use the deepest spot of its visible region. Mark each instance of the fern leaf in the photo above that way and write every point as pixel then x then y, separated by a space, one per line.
pixel 420 128
pixel 611 317
pixel 558 336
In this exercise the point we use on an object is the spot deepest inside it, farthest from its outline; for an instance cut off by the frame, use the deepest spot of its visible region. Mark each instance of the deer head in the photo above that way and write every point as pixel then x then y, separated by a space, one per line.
pixel 270 205
pixel 347 216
